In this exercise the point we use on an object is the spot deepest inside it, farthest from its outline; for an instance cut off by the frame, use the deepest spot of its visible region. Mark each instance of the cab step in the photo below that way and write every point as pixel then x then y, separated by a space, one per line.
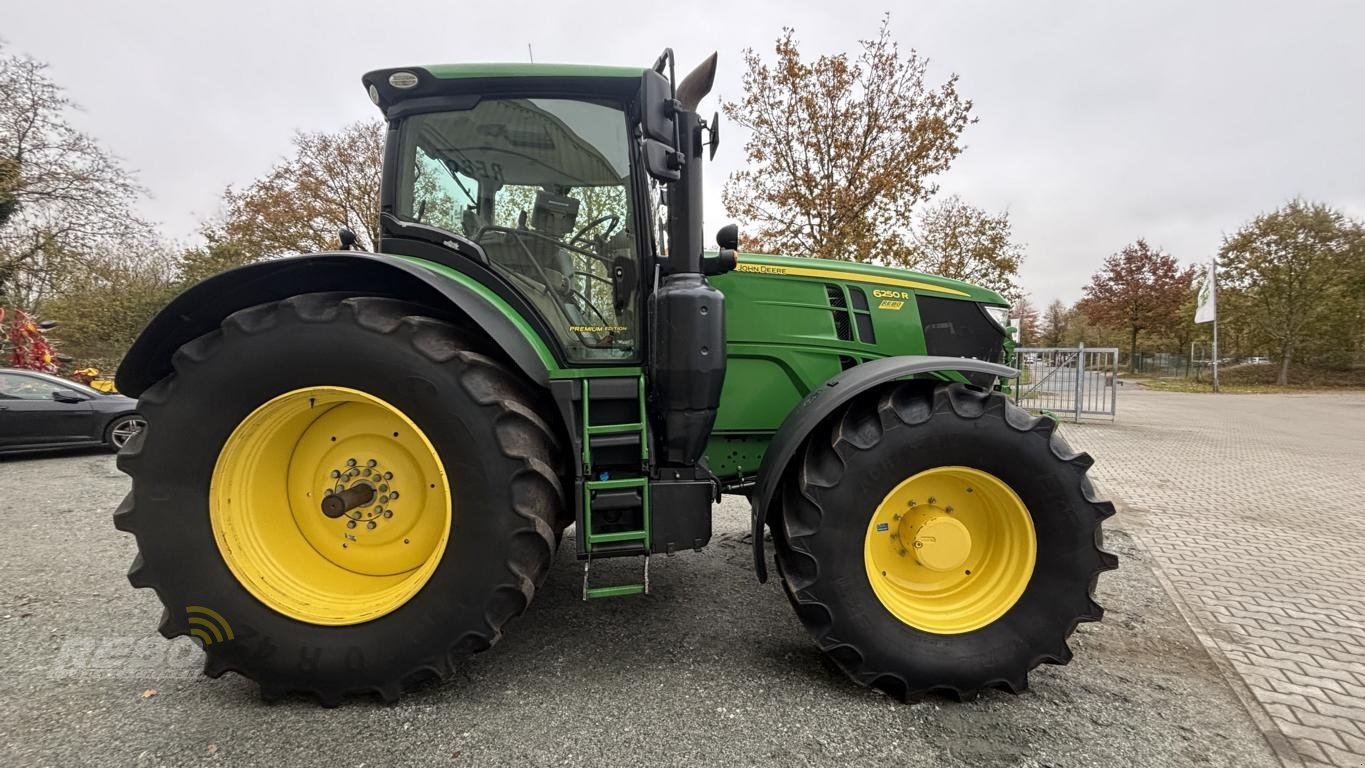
pixel 615 590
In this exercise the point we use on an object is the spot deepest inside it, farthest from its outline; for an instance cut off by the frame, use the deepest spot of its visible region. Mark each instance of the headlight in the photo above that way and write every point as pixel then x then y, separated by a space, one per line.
pixel 1001 315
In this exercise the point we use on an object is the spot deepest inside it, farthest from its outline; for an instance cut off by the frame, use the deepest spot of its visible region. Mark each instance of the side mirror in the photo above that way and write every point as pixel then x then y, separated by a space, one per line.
pixel 662 161
pixel 347 238
pixel 66 397
pixel 714 129
pixel 657 107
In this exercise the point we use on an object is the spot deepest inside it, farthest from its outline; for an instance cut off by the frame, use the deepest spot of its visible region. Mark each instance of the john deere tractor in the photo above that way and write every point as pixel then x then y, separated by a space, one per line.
pixel 357 466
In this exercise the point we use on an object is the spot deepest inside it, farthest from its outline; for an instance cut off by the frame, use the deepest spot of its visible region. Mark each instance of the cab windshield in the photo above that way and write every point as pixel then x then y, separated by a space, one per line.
pixel 543 185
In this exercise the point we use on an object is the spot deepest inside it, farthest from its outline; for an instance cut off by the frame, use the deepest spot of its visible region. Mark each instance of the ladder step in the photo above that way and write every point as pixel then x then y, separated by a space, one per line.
pixel 621 498
pixel 605 538
pixel 610 429
pixel 609 485
pixel 622 440
pixel 618 591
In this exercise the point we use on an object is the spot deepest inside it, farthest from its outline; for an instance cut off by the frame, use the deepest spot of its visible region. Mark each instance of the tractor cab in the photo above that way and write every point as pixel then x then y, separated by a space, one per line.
pixel 543 187
pixel 544 170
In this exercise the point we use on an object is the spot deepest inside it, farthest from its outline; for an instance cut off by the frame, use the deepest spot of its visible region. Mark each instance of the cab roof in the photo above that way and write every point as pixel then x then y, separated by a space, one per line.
pixel 393 86
pixel 522 69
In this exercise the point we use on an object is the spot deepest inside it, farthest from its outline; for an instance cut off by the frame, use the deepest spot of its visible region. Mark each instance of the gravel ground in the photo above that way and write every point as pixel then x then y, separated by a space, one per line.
pixel 710 669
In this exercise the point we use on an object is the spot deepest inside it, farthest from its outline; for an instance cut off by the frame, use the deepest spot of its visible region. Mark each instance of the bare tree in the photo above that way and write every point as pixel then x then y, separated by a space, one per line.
pixel 841 149
pixel 65 202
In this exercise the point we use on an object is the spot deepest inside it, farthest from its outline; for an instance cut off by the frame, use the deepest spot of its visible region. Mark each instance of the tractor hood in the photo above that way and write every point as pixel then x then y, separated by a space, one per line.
pixel 870 274
pixel 793 323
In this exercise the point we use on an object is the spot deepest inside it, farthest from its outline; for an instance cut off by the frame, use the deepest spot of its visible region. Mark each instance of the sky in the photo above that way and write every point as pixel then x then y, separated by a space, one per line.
pixel 1098 122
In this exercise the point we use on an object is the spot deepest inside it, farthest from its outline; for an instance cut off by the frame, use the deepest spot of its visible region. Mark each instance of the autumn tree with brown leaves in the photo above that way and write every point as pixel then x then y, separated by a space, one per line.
pixel 1138 289
pixel 841 149
pixel 1025 317
pixel 961 241
pixel 1056 320
pixel 330 181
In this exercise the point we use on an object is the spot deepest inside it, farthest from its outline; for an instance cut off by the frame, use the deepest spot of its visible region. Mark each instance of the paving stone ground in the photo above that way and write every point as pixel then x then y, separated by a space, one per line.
pixel 710 669
pixel 1254 507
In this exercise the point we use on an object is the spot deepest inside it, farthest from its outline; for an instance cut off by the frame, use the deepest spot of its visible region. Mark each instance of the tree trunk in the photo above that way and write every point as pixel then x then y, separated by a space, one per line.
pixel 1132 351
pixel 1288 356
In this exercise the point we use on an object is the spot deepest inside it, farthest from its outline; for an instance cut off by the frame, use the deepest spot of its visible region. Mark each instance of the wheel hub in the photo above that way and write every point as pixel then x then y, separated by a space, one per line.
pixel 949 549
pixel 941 543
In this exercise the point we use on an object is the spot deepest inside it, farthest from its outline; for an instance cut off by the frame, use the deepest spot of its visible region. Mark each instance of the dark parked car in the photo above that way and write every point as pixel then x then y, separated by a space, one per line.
pixel 38 411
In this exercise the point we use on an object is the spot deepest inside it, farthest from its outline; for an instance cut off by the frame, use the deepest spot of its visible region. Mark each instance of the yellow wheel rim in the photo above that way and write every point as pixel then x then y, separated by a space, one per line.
pixel 266 497
pixel 950 550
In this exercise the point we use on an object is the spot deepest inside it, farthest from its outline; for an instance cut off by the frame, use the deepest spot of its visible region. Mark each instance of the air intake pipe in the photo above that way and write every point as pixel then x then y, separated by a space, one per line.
pixel 687 360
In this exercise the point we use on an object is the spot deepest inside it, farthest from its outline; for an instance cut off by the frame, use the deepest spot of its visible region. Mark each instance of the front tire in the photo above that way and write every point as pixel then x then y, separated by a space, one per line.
pixel 940 539
pixel 259 422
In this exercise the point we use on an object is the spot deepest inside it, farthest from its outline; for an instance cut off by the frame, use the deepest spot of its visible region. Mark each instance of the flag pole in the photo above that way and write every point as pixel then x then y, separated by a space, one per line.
pixel 1213 277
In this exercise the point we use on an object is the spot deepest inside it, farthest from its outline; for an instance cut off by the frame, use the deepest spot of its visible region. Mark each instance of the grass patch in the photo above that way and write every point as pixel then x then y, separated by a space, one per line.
pixel 1260 379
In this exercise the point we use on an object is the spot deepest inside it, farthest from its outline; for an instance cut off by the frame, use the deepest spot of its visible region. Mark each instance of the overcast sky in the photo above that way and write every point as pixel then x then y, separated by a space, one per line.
pixel 1098 123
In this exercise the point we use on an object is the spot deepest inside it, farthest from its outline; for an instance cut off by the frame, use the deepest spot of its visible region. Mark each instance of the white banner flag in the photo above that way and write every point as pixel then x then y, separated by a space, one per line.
pixel 1207 309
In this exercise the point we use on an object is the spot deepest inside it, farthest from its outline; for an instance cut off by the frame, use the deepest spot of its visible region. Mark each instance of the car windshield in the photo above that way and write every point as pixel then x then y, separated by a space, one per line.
pixel 543 185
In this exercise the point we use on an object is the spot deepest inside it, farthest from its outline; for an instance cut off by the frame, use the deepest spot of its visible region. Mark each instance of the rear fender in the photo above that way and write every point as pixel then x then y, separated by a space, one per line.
pixel 201 308
pixel 823 401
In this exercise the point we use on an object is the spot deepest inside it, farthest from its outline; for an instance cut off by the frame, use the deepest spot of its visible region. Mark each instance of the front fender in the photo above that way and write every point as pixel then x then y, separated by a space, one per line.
pixel 823 401
pixel 202 307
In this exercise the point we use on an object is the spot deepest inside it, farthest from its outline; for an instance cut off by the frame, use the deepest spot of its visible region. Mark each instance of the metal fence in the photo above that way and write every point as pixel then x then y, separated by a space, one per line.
pixel 1069 382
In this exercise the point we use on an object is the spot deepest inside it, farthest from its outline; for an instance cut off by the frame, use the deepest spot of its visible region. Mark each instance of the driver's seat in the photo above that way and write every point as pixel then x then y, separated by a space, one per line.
pixel 553 217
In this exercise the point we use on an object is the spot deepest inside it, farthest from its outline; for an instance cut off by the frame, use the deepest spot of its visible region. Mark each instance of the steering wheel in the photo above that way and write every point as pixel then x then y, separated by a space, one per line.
pixel 556 290
pixel 582 232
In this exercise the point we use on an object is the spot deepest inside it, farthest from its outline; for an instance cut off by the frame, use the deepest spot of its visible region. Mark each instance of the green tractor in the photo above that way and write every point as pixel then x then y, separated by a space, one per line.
pixel 357 466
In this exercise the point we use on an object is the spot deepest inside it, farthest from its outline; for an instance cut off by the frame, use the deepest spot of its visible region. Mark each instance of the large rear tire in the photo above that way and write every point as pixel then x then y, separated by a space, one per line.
pixel 294 401
pixel 940 539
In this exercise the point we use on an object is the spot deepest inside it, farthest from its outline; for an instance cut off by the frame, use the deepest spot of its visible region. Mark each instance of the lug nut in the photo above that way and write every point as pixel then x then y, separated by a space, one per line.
pixel 370 525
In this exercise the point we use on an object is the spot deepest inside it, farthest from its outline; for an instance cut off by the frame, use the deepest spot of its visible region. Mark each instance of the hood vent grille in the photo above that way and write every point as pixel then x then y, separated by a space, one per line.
pixel 843 328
